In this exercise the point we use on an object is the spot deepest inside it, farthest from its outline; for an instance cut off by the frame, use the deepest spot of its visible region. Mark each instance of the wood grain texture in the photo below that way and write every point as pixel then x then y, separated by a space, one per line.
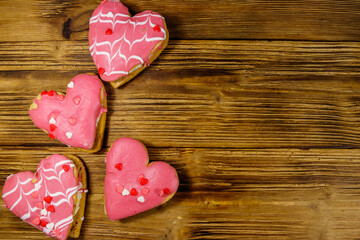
pixel 331 20
pixel 254 102
pixel 244 94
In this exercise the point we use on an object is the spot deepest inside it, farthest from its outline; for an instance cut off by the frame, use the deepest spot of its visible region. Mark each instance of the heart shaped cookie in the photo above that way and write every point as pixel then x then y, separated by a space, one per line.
pixel 77 119
pixel 131 184
pixel 122 46
pixel 53 199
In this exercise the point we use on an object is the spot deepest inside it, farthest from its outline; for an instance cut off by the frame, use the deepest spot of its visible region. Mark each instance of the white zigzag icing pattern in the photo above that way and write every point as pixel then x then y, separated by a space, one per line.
pixel 97 48
pixel 42 173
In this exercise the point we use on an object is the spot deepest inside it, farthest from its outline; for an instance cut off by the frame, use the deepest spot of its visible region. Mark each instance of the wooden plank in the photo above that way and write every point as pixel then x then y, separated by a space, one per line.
pixel 326 20
pixel 224 194
pixel 238 94
pixel 207 57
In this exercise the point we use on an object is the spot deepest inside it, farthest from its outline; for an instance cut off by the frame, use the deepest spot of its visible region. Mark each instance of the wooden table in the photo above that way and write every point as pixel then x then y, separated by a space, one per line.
pixel 256 103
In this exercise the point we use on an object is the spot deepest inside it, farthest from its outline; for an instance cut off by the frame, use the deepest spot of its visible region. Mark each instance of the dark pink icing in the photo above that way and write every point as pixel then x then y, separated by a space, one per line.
pixel 22 196
pixel 131 41
pixel 75 115
pixel 133 157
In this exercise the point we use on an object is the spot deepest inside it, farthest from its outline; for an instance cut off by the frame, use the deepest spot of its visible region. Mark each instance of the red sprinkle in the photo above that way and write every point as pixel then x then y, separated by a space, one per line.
pixel 133 192
pixel 57 231
pixel 157 28
pixel 60 97
pixel 51 208
pixel 35 194
pixel 44 93
pixel 145 191
pixel 103 110
pixel 72 120
pixel 51 93
pixel 140 177
pixel 40 205
pixel 166 191
pixel 101 71
pixel 43 223
pixel 119 189
pixel 77 100
pixel 51 136
pixel 66 167
pixel 108 32
pixel 118 166
pixel 48 199
pixel 52 127
pixel 36 221
pixel 144 181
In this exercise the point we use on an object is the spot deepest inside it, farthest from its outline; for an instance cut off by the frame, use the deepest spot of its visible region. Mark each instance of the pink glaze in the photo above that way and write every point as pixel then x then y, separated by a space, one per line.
pixel 52 181
pixel 75 116
pixel 118 42
pixel 121 185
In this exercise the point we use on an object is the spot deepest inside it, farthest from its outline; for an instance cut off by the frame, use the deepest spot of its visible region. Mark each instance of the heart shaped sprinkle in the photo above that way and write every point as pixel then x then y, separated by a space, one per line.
pixel 73 119
pixel 50 208
pixel 125 194
pixel 66 167
pixel 35 194
pixel 121 44
pixel 39 205
pixel 144 191
pixel 48 199
pixel 36 221
pixel 43 212
pixel 118 166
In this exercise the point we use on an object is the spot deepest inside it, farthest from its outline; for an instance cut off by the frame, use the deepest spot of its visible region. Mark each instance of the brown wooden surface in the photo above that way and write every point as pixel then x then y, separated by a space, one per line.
pixel 255 103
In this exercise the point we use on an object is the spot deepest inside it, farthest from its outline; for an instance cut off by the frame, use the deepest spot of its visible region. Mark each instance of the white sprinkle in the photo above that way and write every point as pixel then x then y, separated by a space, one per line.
pixel 68 134
pixel 110 14
pixel 52 120
pixel 86 191
pixel 50 226
pixel 68 145
pixel 37 186
pixel 43 212
pixel 141 199
pixel 71 84
pixel 125 192
pixel 82 219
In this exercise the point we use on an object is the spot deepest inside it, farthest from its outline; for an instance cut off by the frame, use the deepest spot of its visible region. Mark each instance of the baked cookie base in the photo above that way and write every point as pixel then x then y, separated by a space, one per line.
pixel 80 172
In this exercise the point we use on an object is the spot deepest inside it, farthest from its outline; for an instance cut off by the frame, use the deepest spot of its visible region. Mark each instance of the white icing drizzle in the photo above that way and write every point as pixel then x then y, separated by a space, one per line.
pixel 98 119
pixel 44 214
pixel 78 198
pixel 100 18
pixel 50 226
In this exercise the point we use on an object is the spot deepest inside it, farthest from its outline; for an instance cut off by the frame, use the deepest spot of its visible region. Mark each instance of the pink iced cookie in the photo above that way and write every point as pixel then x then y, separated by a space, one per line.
pixel 121 45
pixel 50 199
pixel 77 119
pixel 131 184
